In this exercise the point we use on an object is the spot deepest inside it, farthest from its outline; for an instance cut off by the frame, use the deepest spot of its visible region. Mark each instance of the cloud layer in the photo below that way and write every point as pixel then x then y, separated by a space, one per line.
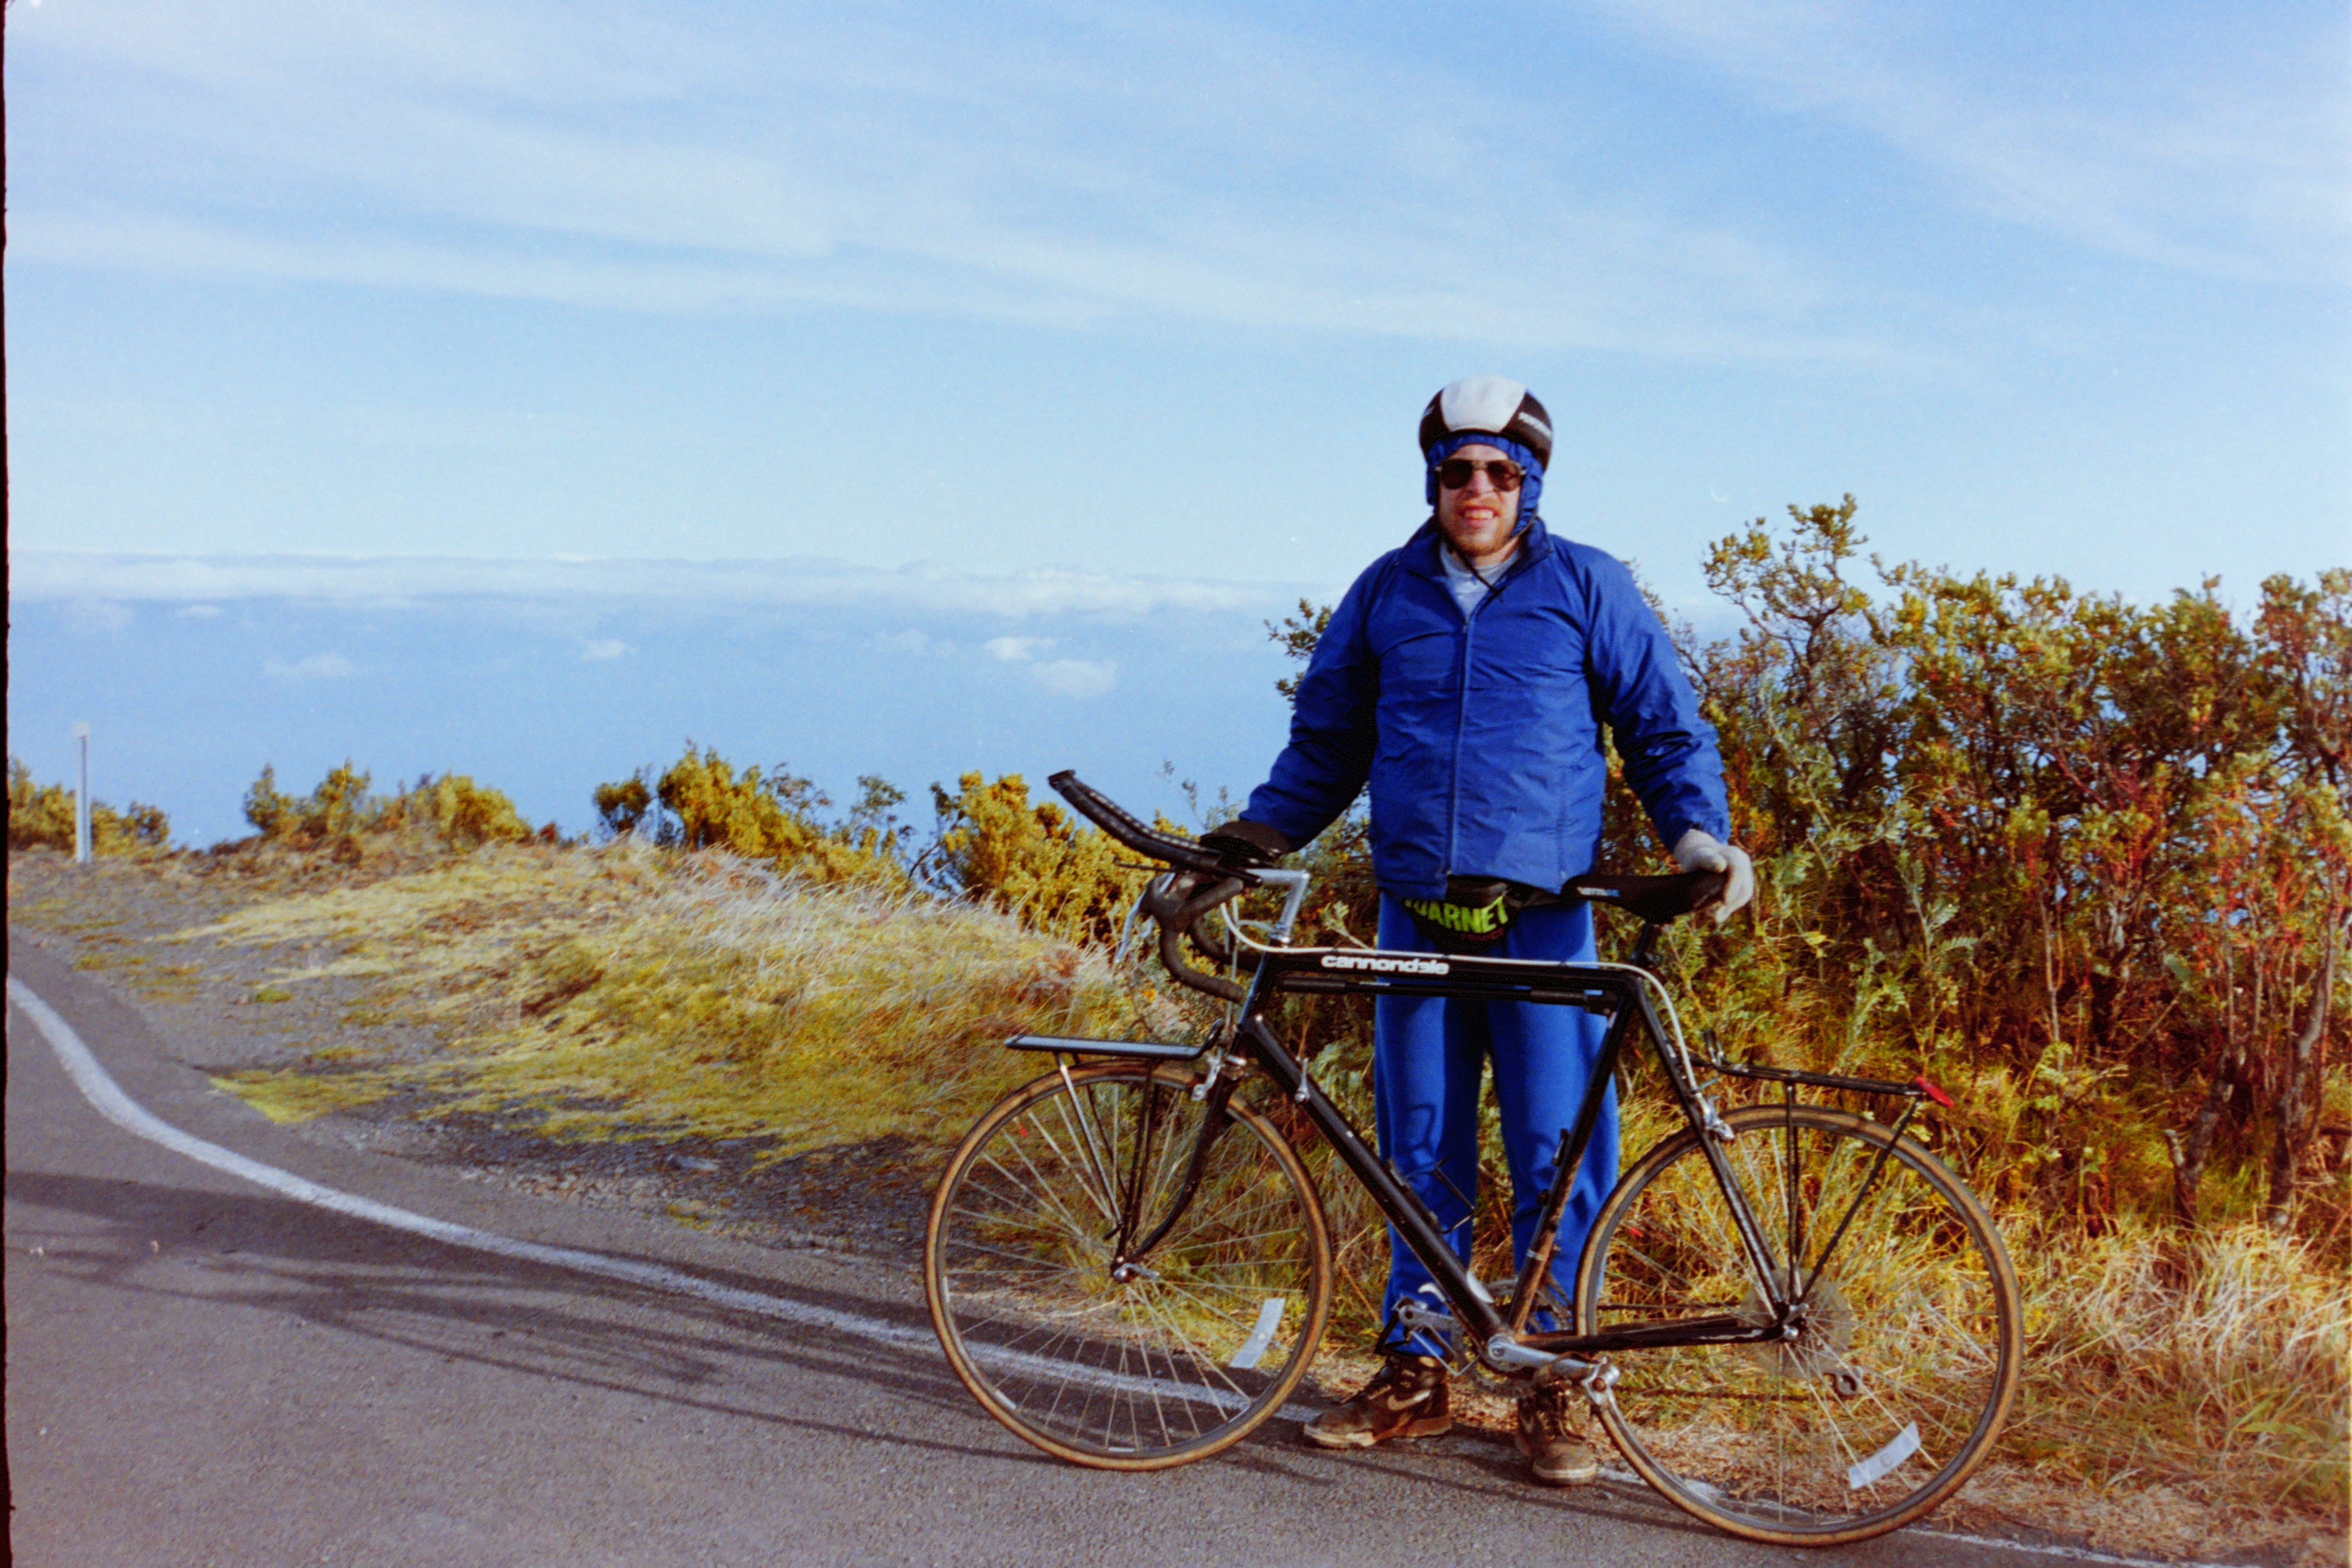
pixel 1130 161
pixel 203 583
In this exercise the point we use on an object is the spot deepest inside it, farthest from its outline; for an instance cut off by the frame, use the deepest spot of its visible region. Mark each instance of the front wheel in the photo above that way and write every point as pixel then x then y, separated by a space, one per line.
pixel 1901 1350
pixel 1070 1323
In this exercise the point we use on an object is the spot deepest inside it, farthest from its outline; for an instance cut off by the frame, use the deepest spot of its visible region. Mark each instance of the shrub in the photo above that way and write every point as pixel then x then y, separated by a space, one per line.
pixel 622 807
pixel 718 809
pixel 337 806
pixel 452 809
pixel 996 847
pixel 700 802
pixel 465 814
pixel 42 816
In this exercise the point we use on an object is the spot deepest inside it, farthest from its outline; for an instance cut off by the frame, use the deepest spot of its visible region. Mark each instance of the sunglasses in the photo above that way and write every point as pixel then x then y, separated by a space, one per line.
pixel 1455 472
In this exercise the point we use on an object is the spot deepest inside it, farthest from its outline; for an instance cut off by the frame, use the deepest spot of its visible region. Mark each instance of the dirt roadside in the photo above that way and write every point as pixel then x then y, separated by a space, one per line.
pixel 224 1010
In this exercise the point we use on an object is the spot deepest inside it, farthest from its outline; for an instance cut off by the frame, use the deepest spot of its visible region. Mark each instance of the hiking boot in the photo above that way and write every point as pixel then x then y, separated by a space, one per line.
pixel 1406 1398
pixel 1549 1420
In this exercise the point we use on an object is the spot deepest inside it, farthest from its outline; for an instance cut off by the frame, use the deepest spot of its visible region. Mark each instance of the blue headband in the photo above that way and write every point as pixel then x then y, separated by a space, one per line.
pixel 1530 488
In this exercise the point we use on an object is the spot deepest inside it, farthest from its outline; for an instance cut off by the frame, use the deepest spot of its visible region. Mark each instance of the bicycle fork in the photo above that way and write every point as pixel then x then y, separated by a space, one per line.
pixel 1127 1254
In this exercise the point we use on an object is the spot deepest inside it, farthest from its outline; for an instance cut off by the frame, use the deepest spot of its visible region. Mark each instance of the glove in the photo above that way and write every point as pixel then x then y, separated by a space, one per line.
pixel 1245 844
pixel 1699 850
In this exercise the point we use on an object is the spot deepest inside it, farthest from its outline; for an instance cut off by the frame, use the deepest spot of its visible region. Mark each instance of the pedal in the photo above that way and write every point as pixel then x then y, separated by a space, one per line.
pixel 1596 1378
pixel 1414 1318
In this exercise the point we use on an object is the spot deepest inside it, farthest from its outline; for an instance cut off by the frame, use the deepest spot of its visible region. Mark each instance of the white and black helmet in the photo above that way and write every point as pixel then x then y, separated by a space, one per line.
pixel 1488 406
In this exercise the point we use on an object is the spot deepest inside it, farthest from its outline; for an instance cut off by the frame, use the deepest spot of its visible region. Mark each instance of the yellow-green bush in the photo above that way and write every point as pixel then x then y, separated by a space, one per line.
pixel 700 802
pixel 718 809
pixel 1062 876
pixel 452 809
pixel 467 813
pixel 42 816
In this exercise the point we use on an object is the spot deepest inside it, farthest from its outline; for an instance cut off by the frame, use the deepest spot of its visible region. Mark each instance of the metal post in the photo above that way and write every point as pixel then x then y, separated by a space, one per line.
pixel 81 799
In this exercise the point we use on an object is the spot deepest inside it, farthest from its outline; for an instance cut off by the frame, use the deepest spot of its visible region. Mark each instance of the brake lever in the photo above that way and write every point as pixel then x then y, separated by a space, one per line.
pixel 1180 919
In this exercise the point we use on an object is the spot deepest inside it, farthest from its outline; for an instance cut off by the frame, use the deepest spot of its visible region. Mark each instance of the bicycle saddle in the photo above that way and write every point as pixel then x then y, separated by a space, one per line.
pixel 1656 899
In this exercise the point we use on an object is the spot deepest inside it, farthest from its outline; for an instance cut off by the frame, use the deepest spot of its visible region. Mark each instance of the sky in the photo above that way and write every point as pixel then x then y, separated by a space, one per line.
pixel 544 679
pixel 1138 295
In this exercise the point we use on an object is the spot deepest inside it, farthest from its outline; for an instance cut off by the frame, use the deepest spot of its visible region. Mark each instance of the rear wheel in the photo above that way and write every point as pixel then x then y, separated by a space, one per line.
pixel 1082 1344
pixel 1905 1343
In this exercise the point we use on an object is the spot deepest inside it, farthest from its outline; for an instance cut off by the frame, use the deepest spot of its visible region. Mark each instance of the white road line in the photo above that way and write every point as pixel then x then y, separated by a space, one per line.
pixel 118 1107
pixel 2073 1553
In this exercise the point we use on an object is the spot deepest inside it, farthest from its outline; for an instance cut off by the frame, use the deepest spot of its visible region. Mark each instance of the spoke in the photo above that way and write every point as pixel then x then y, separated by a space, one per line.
pixel 1670 1274
pixel 1203 1364
pixel 1830 1421
pixel 1101 1150
pixel 1070 1108
pixel 1250 1295
pixel 1027 1220
pixel 1235 1238
pixel 1223 1318
pixel 1034 1265
pixel 1044 1188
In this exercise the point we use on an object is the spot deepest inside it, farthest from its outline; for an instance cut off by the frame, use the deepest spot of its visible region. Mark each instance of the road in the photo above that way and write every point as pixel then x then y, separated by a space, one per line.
pixel 203 1370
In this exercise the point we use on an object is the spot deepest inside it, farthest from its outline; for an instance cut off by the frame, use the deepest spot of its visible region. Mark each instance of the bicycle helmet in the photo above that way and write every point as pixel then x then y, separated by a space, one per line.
pixel 1494 410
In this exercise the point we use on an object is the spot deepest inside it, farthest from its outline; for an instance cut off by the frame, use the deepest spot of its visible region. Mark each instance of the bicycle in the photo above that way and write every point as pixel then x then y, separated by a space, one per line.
pixel 1794 1321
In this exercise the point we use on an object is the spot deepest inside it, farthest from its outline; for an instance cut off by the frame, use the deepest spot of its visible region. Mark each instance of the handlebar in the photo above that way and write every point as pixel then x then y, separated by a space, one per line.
pixel 1097 808
pixel 1177 917
pixel 1655 900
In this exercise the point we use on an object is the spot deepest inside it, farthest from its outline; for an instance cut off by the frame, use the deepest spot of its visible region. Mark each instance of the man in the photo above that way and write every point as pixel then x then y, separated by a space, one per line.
pixel 1467 677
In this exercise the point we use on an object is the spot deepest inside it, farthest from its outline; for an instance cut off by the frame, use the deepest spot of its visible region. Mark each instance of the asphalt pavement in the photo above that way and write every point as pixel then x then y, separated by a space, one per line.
pixel 201 1370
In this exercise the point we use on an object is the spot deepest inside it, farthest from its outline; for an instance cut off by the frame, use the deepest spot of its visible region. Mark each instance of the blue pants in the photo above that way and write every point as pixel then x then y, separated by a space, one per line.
pixel 1427 1052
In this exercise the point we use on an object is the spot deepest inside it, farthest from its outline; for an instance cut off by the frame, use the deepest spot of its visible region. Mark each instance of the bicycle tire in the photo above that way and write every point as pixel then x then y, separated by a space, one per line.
pixel 1175 1363
pixel 1898 1383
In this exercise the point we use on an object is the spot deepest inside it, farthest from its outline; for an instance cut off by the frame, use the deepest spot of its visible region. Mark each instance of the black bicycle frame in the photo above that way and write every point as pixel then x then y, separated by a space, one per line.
pixel 1619 994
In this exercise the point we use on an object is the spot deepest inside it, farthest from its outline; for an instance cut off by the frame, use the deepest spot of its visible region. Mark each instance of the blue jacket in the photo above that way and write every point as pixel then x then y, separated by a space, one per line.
pixel 1481 738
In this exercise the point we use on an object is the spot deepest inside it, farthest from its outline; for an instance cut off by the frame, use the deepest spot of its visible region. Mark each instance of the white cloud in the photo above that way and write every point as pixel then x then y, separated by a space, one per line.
pixel 39 576
pixel 1130 163
pixel 199 611
pixel 2228 154
pixel 317 667
pixel 603 648
pixel 1077 676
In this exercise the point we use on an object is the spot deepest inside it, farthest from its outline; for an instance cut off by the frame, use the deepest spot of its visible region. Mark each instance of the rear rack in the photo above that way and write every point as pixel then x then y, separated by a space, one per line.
pixel 1156 1050
pixel 1917 1088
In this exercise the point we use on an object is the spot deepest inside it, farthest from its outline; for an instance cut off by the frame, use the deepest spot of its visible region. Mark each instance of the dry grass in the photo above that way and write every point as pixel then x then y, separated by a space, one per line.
pixel 2213 1364
pixel 619 990
pixel 295 1096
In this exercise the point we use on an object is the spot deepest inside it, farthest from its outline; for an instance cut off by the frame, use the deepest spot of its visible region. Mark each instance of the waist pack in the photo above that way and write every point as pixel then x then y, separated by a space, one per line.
pixel 1474 915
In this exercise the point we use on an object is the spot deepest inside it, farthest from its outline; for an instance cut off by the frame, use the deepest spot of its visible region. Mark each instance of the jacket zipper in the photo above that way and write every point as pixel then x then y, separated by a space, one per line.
pixel 1462 709
pixel 1460 722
